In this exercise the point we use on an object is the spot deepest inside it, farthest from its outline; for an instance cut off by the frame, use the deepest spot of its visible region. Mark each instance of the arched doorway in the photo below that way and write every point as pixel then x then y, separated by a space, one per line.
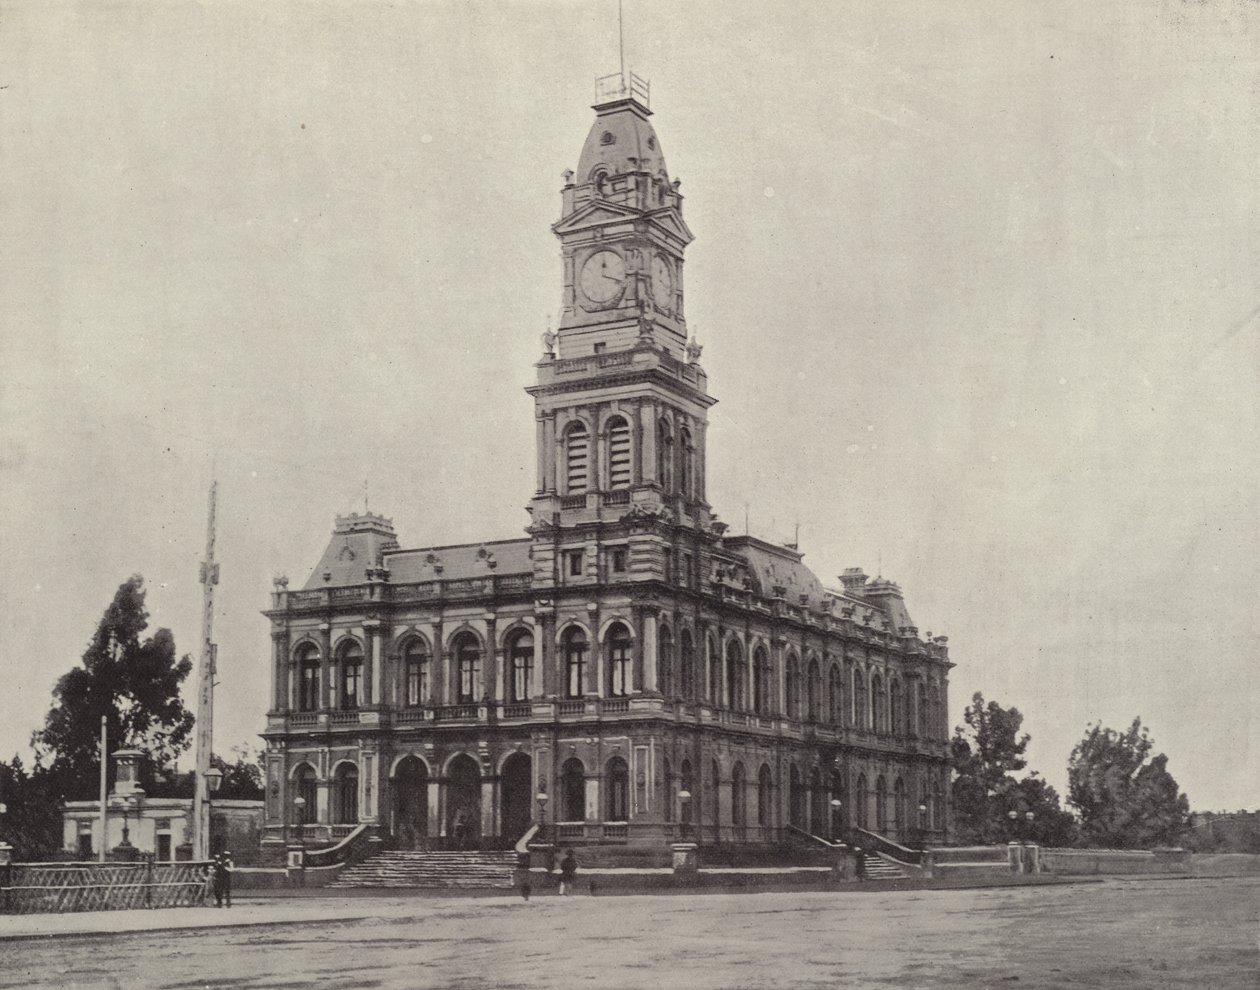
pixel 515 783
pixel 346 795
pixel 463 803
pixel 411 803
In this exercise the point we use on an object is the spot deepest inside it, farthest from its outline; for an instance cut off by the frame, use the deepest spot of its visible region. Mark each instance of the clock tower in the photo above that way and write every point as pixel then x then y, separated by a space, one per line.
pixel 621 399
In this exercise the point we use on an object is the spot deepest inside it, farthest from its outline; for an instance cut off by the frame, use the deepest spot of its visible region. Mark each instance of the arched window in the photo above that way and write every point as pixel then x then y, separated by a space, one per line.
pixel 714 798
pixel 715 672
pixel 665 455
pixel 899 807
pixel 894 706
pixel 861 799
pixel 619 645
pixel 351 676
pixel 881 805
pixel 521 665
pixel 577 459
pixel 573 790
pixel 576 649
pixel 765 796
pixel 814 692
pixel 665 662
pixel 467 655
pixel 761 681
pixel 308 678
pixel 738 797
pixel 304 787
pixel 793 684
pixel 618 453
pixel 618 779
pixel 346 795
pixel 687 463
pixel 936 806
pixel 861 705
pixel 851 701
pixel 920 711
pixel 415 673
pixel 796 798
pixel 878 722
pixel 817 803
pixel 736 676
pixel 687 666
pixel 836 685
pixel 839 815
pixel 938 729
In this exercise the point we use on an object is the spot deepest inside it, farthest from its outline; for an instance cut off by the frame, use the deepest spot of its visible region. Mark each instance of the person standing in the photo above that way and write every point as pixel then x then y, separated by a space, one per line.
pixel 222 870
pixel 568 870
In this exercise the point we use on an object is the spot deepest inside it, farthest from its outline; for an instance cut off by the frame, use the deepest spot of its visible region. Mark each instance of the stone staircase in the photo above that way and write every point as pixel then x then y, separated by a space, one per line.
pixel 879 868
pixel 434 870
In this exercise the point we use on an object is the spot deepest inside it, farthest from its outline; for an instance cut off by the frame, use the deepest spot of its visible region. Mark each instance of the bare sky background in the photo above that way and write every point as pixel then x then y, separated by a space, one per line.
pixel 977 285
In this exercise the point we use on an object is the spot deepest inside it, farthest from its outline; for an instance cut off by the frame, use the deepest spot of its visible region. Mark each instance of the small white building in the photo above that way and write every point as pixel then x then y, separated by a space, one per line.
pixel 137 825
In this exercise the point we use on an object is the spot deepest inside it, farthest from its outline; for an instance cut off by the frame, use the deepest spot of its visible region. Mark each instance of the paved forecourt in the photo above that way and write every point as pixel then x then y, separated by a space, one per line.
pixel 1144 934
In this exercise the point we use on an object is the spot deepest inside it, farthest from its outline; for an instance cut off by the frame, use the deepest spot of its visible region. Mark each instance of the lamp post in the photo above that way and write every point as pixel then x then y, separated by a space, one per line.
pixel 299 803
pixel 684 796
pixel 213 778
pixel 1013 817
pixel 922 826
pixel 1028 823
pixel 541 798
pixel 835 820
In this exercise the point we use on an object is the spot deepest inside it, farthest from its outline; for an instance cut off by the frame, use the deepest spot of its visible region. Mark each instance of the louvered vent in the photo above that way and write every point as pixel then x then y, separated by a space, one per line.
pixel 618 454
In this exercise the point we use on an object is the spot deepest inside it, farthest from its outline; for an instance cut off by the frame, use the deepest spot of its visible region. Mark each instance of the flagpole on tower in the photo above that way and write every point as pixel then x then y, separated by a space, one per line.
pixel 205 692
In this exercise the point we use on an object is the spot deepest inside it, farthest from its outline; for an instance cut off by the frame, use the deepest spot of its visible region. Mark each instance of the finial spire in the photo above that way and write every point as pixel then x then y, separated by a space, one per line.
pixel 621 44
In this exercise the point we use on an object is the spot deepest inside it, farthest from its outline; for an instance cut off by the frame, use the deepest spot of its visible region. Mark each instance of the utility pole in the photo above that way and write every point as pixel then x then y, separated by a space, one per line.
pixel 205 692
pixel 100 853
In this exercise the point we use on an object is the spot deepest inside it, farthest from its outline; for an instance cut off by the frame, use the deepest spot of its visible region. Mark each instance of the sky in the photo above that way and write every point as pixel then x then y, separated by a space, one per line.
pixel 976 285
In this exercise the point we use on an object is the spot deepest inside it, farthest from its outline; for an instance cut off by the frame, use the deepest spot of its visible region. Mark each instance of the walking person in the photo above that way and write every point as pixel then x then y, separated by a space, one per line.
pixel 568 870
pixel 861 862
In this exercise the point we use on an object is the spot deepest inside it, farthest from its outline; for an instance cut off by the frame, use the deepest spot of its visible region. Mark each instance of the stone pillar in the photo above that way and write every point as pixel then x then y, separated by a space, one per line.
pixel 435 807
pixel 323 809
pixel 595 678
pixel 544 650
pixel 280 669
pixel 492 674
pixel 372 662
pixel 648 677
pixel 489 806
pixel 326 665
pixel 540 450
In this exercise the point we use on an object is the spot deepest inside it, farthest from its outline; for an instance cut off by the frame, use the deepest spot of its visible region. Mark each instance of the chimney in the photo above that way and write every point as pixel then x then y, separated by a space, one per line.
pixel 854 580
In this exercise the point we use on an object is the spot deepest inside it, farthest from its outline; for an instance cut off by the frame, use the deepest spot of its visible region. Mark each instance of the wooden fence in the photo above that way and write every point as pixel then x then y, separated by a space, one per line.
pixel 56 888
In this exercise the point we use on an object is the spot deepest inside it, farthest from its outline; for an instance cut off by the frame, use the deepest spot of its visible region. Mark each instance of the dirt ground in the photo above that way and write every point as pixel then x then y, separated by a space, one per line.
pixel 1149 934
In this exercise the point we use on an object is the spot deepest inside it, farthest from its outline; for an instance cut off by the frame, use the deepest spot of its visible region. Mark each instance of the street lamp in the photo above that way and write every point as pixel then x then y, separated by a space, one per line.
pixel 1028 820
pixel 299 803
pixel 835 819
pixel 684 796
pixel 541 798
pixel 213 778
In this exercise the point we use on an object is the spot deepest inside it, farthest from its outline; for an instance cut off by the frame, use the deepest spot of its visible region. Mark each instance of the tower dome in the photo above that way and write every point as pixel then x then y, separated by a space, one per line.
pixel 621 141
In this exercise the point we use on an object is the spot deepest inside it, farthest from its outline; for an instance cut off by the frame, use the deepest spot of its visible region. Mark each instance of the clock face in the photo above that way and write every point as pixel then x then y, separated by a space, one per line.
pixel 662 282
pixel 603 276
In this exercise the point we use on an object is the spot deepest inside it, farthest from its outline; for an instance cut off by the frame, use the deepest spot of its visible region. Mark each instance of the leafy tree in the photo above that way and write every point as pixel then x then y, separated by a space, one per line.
pixel 31 823
pixel 134 683
pixel 986 754
pixel 1125 796
pixel 242 779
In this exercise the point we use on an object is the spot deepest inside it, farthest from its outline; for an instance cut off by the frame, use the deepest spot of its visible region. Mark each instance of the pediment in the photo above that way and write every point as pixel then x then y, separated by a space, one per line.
pixel 595 215
pixel 672 221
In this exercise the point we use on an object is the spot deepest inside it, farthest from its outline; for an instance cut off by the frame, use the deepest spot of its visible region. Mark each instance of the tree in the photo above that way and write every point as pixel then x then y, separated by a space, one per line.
pixel 31 823
pixel 134 684
pixel 985 755
pixel 1126 797
pixel 985 791
pixel 242 779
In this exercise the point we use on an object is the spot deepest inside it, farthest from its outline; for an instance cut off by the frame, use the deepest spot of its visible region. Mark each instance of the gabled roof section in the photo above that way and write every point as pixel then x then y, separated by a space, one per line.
pixel 672 221
pixel 358 543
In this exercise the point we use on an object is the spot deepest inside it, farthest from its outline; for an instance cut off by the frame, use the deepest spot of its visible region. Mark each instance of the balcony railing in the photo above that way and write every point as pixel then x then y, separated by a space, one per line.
pixel 452 713
pixel 612 706
pixel 571 707
pixel 521 709
pixel 344 718
pixel 301 719
pixel 616 830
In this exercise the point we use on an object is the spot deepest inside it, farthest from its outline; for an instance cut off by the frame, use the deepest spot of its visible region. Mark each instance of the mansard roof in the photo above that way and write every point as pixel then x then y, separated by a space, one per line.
pixel 460 560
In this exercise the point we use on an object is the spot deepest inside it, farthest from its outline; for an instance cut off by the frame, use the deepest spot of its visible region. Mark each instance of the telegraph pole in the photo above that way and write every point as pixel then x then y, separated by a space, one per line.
pixel 205 692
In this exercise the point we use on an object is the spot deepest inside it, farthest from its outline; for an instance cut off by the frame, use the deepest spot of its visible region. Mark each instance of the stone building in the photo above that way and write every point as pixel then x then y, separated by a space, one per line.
pixel 627 670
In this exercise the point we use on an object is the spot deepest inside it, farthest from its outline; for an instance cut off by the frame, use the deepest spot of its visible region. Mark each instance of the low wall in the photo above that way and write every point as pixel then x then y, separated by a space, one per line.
pixel 1092 862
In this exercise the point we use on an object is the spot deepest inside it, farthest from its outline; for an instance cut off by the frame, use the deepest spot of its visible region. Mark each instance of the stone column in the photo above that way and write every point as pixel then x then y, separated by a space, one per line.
pixel 280 679
pixel 647 677
pixel 492 674
pixel 326 665
pixel 441 662
pixel 435 807
pixel 595 676
pixel 372 666
pixel 540 451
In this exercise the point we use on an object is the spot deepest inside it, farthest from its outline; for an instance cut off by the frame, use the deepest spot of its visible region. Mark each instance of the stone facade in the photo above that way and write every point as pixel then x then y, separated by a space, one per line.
pixel 628 670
